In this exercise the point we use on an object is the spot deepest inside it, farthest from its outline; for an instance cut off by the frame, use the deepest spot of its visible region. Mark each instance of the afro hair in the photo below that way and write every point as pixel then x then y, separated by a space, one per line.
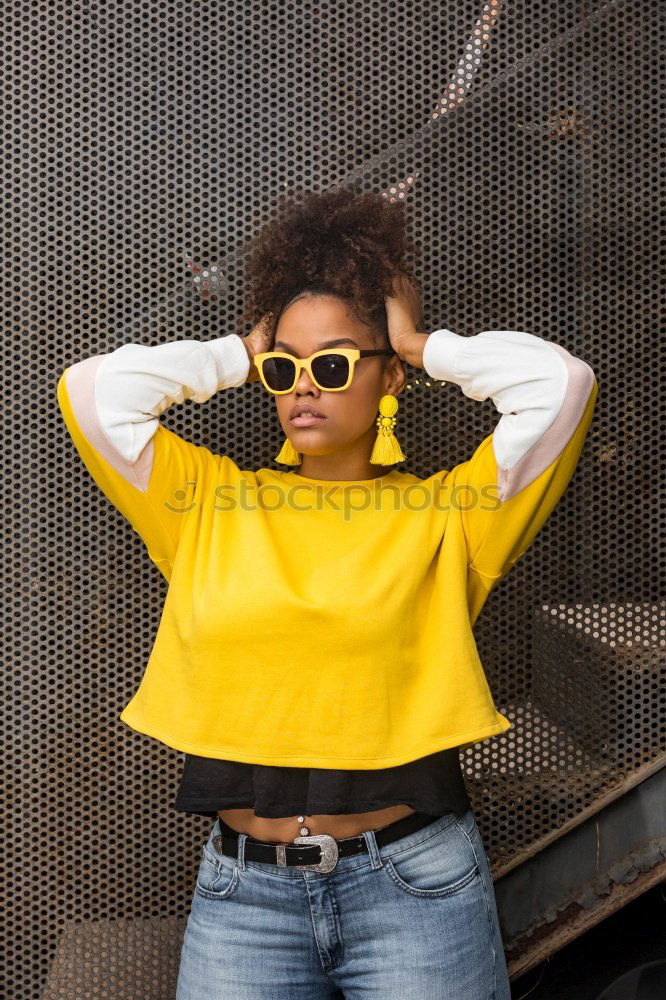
pixel 343 241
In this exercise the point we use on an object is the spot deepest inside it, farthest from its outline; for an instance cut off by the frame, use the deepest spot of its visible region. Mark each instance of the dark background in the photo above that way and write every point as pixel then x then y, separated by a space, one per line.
pixel 139 137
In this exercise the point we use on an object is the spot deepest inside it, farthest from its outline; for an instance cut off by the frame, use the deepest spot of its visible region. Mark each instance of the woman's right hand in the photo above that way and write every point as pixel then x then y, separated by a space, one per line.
pixel 258 340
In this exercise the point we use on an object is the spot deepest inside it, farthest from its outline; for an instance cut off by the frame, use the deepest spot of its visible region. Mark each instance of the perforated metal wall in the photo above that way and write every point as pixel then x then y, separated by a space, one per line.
pixel 145 141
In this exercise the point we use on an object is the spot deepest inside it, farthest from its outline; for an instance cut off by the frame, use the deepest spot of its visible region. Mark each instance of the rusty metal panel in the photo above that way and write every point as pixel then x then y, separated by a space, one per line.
pixel 143 144
pixel 585 875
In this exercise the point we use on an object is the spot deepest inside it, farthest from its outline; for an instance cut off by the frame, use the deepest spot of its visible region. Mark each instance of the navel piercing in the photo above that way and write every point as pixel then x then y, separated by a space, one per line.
pixel 304 830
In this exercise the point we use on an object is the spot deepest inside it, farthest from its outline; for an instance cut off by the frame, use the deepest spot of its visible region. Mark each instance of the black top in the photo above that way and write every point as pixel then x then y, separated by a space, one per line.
pixel 432 784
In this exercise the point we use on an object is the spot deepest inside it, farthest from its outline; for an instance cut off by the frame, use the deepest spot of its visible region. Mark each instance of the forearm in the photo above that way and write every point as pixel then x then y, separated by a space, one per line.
pixel 538 387
pixel 124 392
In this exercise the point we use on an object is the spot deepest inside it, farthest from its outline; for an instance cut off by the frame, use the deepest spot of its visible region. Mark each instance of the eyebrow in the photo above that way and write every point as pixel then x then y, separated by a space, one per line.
pixel 327 343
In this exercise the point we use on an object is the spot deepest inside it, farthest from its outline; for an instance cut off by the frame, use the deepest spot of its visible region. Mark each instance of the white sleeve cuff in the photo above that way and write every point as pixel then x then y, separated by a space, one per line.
pixel 440 354
pixel 231 359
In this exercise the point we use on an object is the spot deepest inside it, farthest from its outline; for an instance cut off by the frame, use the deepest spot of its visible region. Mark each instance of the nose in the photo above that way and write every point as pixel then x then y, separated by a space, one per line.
pixel 304 384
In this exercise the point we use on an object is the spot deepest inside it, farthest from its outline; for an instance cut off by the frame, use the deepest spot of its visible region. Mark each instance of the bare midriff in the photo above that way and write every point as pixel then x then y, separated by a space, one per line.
pixel 338 825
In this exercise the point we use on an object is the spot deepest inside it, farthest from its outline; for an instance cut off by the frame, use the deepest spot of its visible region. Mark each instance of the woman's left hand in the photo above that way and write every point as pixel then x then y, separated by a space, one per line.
pixel 404 311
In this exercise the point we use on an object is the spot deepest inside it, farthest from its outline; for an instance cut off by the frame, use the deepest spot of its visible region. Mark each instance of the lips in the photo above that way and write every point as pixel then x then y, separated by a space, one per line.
pixel 301 408
pixel 306 415
pixel 305 419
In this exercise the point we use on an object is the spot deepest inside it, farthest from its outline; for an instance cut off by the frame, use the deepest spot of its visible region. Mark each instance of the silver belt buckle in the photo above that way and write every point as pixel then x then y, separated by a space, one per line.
pixel 329 852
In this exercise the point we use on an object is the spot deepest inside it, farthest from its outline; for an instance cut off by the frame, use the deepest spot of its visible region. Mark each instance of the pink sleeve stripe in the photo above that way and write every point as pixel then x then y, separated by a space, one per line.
pixel 80 382
pixel 542 454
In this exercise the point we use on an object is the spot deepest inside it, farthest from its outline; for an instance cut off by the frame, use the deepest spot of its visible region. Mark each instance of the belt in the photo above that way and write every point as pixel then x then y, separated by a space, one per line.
pixel 318 852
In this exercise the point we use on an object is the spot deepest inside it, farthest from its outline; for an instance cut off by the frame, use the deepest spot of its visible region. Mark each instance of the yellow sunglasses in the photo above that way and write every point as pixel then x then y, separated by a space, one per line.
pixel 331 370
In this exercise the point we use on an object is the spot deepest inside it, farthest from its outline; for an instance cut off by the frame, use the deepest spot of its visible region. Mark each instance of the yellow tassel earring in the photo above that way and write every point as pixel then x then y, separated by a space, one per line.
pixel 386 450
pixel 288 454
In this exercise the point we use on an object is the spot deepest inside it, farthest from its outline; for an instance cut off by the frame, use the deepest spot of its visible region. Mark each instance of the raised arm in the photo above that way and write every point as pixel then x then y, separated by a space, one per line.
pixel 118 397
pixel 546 397
pixel 111 405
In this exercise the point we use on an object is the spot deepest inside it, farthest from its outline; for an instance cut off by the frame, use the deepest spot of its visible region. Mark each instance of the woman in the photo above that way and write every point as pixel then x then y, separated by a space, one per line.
pixel 316 639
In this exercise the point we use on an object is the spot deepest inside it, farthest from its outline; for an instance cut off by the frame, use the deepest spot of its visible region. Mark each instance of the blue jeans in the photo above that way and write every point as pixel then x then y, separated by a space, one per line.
pixel 415 918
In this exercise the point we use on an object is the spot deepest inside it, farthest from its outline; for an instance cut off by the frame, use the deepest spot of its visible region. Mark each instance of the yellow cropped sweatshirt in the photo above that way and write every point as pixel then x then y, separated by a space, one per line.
pixel 314 623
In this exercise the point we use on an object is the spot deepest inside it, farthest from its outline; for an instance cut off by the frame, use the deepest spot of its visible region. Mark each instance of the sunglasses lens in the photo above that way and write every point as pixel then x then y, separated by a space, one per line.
pixel 279 373
pixel 331 370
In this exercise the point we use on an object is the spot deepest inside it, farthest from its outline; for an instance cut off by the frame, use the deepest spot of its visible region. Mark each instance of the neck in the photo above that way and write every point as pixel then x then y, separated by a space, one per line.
pixel 341 465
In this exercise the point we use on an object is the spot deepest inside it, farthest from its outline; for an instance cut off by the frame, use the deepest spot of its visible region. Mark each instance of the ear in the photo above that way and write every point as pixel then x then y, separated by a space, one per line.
pixel 395 375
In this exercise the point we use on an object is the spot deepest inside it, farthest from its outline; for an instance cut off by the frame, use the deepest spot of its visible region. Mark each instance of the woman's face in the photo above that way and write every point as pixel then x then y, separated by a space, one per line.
pixel 313 323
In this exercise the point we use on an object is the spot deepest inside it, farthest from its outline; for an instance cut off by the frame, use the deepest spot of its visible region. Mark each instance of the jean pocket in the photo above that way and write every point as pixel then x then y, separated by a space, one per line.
pixel 218 874
pixel 441 865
